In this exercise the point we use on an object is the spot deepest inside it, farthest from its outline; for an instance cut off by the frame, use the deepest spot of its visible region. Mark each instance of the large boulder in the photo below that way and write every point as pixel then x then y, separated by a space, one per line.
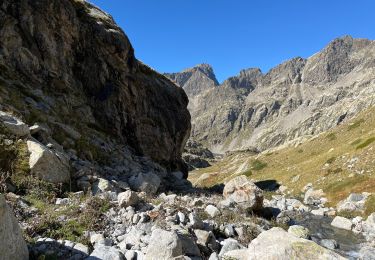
pixel 147 182
pixel 314 197
pixel 244 192
pixel 46 164
pixel 164 245
pixel 342 223
pixel 354 202
pixel 13 125
pixel 12 244
pixel 278 244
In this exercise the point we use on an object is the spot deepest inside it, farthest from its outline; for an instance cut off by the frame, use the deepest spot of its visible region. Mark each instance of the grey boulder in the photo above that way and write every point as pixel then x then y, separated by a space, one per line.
pixel 12 244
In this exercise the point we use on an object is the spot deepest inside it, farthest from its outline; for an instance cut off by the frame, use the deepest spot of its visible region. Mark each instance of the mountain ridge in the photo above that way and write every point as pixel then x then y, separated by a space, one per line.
pixel 297 97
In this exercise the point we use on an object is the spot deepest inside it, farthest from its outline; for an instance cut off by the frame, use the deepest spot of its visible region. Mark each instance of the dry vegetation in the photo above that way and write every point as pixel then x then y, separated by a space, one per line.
pixel 340 162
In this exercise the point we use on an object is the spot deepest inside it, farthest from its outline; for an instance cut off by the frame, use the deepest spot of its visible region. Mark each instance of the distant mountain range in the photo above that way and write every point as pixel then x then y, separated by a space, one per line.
pixel 300 97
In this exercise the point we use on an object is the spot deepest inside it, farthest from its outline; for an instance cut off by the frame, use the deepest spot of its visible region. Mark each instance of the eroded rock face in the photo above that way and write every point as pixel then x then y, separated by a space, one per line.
pixel 300 97
pixel 12 245
pixel 75 66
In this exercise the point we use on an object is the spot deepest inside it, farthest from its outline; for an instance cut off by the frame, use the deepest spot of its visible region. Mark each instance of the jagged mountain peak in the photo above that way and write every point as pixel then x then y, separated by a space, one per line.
pixel 297 97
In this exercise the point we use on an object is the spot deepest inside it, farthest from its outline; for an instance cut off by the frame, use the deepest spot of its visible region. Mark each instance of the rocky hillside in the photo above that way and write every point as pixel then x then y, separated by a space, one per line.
pixel 67 66
pixel 297 98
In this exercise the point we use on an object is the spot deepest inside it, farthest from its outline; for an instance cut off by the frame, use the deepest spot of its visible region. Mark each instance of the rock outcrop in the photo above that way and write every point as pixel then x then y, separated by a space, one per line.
pixel 12 244
pixel 68 65
pixel 300 97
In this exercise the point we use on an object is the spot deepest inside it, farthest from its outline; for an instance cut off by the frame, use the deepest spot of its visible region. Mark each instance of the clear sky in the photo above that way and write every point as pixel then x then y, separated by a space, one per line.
pixel 171 35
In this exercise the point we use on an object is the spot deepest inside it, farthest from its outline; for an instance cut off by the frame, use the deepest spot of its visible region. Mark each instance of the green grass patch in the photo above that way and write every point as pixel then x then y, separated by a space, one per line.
pixel 247 173
pixel 331 160
pixel 366 143
pixel 356 142
pixel 331 136
pixel 369 205
pixel 356 124
pixel 258 165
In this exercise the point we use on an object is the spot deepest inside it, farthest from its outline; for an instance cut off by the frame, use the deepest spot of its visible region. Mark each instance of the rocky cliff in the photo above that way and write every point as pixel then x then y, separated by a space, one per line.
pixel 297 98
pixel 66 65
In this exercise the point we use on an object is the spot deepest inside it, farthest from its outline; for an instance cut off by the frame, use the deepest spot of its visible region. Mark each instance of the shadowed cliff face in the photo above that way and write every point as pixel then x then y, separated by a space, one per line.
pixel 73 57
pixel 299 97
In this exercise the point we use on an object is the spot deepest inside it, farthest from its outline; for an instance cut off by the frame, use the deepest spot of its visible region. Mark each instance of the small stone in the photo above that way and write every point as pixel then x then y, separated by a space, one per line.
pixel 212 211
pixel 64 201
pixel 181 217
pixel 329 243
pixel 127 198
pixel 342 223
pixel 318 212
pixel 106 253
pixel 229 230
pixel 163 245
pixel 81 248
pixel 195 221
pixel 230 244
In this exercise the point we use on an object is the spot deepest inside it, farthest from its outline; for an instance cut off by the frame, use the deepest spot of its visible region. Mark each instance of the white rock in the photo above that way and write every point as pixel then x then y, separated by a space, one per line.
pixel 244 192
pixel 343 223
pixel 13 125
pixel 81 248
pixel 212 211
pixel 64 201
pixel 278 244
pixel 106 253
pixel 12 245
pixel 127 198
pixel 48 165
pixel 195 221
pixel 229 244
pixel 313 197
pixel 163 245
pixel 181 217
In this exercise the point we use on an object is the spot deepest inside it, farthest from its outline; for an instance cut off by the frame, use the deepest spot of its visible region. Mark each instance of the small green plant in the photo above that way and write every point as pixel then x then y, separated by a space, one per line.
pixel 300 151
pixel 258 165
pixel 356 124
pixel 369 206
pixel 247 173
pixel 365 143
pixel 358 141
pixel 349 214
pixel 331 136
pixel 331 160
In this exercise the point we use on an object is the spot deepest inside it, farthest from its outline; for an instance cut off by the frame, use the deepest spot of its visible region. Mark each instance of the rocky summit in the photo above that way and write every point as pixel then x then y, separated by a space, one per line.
pixel 297 99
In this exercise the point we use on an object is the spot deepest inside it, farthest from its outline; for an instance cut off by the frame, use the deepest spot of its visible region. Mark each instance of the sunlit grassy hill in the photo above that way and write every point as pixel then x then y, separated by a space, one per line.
pixel 340 161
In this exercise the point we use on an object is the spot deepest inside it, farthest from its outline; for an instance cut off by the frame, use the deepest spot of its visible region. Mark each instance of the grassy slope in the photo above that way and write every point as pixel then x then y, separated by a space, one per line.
pixel 339 161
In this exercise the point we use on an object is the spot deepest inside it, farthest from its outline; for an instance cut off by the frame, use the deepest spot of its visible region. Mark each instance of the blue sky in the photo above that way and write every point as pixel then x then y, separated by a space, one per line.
pixel 171 35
